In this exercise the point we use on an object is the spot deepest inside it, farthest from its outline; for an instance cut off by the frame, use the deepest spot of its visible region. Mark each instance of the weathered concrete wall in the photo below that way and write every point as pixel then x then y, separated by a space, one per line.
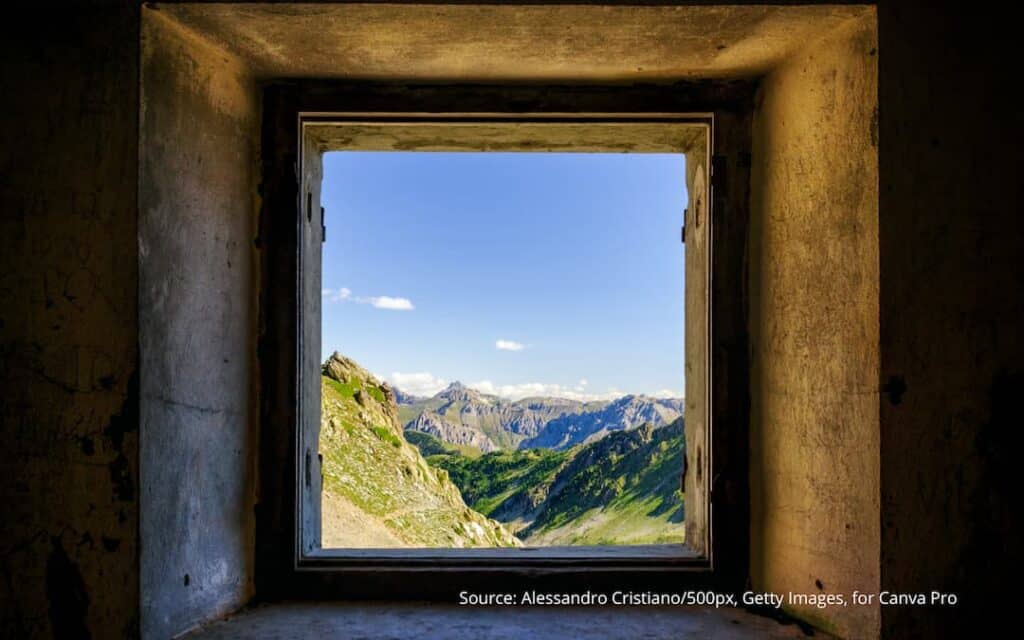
pixel 68 357
pixel 814 328
pixel 197 298
pixel 952 260
pixel 500 41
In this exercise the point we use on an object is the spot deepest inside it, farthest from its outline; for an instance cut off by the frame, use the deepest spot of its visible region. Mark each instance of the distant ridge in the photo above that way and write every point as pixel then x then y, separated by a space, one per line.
pixel 464 416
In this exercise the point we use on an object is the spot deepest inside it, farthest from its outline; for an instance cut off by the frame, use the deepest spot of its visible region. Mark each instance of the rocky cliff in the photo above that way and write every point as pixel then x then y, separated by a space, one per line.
pixel 378 491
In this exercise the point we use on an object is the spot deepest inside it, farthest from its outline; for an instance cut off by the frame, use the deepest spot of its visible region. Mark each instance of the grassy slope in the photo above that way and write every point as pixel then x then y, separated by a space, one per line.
pixel 430 446
pixel 623 489
pixel 373 476
pixel 506 485
pixel 620 490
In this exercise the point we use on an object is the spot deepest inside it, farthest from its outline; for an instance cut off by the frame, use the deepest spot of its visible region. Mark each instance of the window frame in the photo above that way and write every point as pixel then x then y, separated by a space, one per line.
pixel 288 110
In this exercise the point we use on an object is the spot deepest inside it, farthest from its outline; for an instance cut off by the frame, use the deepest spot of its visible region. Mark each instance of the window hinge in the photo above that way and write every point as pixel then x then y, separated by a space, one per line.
pixel 716 489
pixel 682 476
pixel 323 226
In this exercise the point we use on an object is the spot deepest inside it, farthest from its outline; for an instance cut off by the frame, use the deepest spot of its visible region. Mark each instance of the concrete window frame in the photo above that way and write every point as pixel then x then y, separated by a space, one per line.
pixel 301 123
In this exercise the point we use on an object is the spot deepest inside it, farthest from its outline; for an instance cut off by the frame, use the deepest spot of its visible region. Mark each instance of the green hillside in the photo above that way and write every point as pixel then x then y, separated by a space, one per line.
pixel 378 491
pixel 621 489
pixel 429 445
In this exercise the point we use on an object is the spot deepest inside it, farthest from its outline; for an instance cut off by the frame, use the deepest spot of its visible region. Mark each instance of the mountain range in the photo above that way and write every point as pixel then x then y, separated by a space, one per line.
pixel 463 416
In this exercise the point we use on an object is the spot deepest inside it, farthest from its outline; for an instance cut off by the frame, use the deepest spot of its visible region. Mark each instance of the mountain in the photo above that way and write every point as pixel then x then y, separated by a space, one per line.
pixel 463 416
pixel 628 412
pixel 378 491
pixel 433 424
pixel 621 489
pixel 407 398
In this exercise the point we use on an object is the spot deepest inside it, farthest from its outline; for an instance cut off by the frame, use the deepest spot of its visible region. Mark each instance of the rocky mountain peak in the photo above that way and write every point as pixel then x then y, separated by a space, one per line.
pixel 344 370
pixel 458 392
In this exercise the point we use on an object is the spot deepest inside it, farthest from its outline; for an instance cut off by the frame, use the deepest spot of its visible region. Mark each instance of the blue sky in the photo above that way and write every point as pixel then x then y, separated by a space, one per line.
pixel 514 273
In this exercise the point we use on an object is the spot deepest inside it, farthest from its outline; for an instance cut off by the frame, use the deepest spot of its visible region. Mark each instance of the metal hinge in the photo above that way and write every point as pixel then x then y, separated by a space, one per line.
pixel 323 226
pixel 715 490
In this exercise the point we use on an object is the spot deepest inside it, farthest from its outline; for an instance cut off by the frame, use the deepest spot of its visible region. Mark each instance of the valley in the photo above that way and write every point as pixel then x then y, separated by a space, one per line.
pixel 466 469
pixel 621 489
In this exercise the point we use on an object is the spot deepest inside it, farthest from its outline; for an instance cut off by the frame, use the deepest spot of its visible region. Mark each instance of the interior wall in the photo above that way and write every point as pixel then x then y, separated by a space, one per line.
pixel 814 278
pixel 952 370
pixel 198 181
pixel 68 356
pixel 950 247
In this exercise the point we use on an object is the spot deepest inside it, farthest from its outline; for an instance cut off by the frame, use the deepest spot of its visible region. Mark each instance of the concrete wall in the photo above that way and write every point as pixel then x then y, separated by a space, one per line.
pixel 68 358
pixel 814 328
pixel 198 153
pixel 951 312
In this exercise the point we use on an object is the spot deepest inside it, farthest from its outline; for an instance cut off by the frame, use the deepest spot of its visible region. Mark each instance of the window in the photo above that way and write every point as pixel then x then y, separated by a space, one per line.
pixel 292 317
pixel 324 134
pixel 502 336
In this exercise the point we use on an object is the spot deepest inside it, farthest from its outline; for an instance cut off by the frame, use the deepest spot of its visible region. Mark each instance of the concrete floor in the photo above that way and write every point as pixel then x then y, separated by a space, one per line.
pixel 352 621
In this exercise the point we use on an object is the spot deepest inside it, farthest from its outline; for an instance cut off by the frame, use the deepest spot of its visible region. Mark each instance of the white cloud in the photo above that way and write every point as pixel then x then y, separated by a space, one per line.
pixel 427 384
pixel 540 389
pixel 387 302
pixel 390 303
pixel 583 382
pixel 508 345
pixel 418 384
pixel 665 393
pixel 337 295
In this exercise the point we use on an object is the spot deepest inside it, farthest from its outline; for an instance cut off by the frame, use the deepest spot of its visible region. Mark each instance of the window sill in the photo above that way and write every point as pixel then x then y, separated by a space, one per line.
pixel 656 557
